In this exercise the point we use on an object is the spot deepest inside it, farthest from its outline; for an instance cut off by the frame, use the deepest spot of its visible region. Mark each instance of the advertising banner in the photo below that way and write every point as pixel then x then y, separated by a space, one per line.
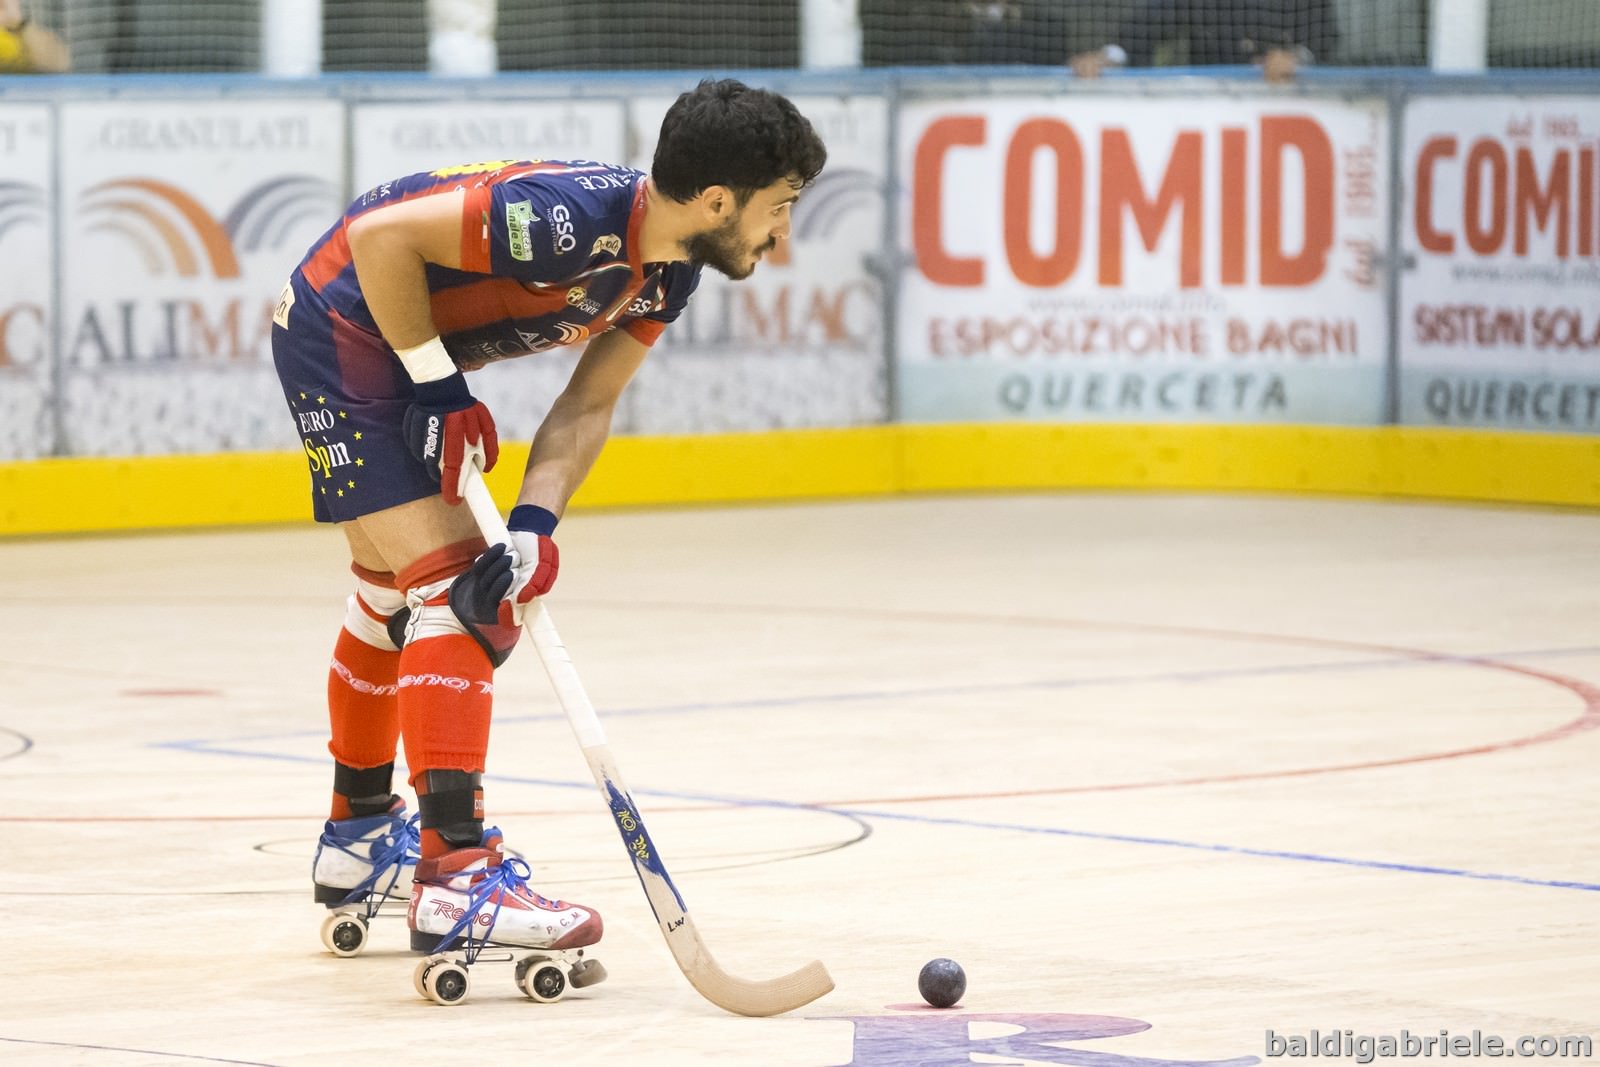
pixel 27 280
pixel 800 342
pixel 391 140
pixel 1142 260
pixel 1500 311
pixel 181 220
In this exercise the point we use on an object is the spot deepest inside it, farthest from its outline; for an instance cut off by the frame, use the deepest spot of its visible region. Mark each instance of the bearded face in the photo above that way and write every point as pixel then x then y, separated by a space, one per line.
pixel 727 250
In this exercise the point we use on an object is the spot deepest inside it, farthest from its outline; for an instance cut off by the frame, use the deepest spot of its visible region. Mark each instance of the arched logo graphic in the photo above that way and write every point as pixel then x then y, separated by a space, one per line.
pixel 821 209
pixel 835 196
pixel 267 214
pixel 21 204
pixel 169 228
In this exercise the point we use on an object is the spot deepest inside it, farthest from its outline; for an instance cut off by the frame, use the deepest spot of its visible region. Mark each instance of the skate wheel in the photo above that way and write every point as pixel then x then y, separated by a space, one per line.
pixel 544 982
pixel 587 973
pixel 344 935
pixel 419 972
pixel 445 983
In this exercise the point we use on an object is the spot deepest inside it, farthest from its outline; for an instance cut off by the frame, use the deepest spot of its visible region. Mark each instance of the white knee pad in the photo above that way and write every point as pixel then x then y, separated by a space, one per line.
pixel 368 611
pixel 432 611
pixel 429 614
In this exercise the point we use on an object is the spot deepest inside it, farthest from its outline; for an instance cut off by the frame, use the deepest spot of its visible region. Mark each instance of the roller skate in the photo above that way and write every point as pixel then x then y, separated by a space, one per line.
pixel 363 867
pixel 474 905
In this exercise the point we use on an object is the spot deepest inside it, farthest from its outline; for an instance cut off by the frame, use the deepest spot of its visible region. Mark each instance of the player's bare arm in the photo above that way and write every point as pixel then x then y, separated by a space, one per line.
pixel 391 248
pixel 573 433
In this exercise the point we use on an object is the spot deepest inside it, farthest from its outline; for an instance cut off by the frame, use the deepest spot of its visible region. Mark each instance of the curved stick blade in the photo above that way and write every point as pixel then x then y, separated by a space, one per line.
pixel 737 995
pixel 773 996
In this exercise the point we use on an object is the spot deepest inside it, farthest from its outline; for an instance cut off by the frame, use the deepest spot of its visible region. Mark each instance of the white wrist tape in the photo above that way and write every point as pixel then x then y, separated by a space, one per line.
pixel 427 362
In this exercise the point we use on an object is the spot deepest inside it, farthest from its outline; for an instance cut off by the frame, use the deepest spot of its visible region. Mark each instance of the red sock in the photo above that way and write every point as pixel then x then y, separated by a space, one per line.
pixel 363 711
pixel 446 696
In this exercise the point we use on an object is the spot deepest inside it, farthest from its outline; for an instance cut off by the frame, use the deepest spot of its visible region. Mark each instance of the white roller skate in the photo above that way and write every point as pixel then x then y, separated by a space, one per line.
pixel 473 905
pixel 363 866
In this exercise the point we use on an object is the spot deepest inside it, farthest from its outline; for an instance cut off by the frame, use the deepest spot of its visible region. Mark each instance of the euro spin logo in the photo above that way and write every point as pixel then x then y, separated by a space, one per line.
pixel 326 458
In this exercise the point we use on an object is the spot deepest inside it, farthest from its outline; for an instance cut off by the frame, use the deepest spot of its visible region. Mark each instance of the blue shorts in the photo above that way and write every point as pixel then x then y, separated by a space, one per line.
pixel 348 395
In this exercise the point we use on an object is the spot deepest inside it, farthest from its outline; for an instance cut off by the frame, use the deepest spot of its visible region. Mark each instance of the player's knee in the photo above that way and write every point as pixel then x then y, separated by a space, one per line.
pixel 440 599
pixel 370 610
pixel 438 614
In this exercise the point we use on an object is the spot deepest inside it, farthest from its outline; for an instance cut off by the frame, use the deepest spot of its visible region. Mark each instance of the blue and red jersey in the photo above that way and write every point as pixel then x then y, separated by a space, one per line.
pixel 549 255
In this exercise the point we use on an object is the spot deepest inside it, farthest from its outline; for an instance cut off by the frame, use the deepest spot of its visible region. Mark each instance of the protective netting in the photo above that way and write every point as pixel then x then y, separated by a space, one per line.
pixel 393 35
pixel 1544 33
pixel 1142 33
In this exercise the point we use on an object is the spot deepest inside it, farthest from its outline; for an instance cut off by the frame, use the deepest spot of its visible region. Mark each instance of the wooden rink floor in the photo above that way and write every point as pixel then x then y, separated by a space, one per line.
pixel 1163 773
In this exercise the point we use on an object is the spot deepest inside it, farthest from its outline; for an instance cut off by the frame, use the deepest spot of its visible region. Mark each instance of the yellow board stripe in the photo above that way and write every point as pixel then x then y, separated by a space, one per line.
pixel 246 488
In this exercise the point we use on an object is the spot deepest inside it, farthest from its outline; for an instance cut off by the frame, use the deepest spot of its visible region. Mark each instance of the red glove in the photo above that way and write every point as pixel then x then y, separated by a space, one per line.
pixel 449 431
pixel 502 582
pixel 537 559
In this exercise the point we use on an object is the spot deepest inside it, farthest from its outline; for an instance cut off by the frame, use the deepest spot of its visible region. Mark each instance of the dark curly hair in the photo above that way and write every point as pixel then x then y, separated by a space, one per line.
pixel 726 133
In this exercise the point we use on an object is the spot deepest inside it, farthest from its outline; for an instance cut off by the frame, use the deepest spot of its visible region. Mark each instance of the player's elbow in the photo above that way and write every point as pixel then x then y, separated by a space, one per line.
pixel 376 239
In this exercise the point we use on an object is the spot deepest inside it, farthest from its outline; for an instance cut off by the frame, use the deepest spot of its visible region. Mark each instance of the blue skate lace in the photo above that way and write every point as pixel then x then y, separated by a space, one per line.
pixel 388 860
pixel 510 875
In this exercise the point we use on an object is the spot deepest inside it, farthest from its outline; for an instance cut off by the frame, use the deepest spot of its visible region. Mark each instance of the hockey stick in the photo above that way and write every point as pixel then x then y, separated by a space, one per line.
pixel 737 995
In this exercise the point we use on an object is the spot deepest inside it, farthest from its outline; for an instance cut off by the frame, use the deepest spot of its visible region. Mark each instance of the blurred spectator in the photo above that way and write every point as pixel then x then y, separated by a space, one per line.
pixel 942 32
pixel 1278 35
pixel 27 47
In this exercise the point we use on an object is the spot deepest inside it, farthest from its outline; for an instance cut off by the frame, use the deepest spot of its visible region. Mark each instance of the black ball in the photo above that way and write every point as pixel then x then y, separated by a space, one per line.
pixel 942 982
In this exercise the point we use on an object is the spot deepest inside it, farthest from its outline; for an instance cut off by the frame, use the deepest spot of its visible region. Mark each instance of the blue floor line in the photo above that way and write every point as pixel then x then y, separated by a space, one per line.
pixel 1388 663
pixel 975 824
pixel 203 746
pixel 1236 850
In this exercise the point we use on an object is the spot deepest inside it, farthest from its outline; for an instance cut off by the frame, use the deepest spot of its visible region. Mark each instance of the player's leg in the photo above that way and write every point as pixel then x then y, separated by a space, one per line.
pixel 368 847
pixel 347 396
pixel 445 696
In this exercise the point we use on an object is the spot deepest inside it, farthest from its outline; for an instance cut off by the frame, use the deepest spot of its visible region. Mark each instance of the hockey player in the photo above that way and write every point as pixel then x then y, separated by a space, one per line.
pixel 424 279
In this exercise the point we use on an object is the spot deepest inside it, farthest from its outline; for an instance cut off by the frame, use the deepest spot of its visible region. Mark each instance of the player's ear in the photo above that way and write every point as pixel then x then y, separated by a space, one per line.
pixel 717 202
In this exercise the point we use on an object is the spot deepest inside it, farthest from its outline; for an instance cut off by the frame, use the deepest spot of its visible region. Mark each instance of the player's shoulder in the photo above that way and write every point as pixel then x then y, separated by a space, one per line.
pixel 578 181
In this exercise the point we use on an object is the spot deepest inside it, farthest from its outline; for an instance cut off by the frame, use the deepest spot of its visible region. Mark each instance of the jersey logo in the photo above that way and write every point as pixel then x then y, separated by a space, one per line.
pixel 473 168
pixel 519 217
pixel 610 244
pixel 280 314
pixel 561 236
pixel 578 297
